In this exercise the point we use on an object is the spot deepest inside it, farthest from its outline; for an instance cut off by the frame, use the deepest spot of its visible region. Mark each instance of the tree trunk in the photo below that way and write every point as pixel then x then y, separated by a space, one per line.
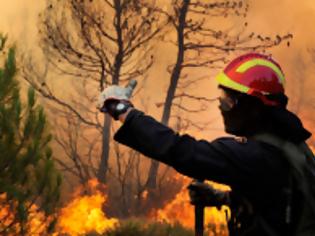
pixel 115 80
pixel 103 166
pixel 153 172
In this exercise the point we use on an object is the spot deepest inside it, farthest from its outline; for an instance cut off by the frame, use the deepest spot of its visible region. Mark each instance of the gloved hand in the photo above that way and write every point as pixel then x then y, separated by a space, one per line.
pixel 205 195
pixel 114 100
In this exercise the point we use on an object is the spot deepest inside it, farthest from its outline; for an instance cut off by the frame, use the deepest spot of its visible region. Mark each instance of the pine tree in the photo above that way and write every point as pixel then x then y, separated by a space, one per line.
pixel 29 182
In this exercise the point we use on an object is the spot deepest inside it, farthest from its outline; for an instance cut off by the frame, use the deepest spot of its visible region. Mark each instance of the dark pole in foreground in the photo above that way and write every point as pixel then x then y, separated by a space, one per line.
pixel 199 218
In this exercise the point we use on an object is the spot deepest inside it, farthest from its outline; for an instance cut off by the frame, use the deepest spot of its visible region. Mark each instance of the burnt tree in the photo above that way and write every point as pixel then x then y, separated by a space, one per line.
pixel 97 43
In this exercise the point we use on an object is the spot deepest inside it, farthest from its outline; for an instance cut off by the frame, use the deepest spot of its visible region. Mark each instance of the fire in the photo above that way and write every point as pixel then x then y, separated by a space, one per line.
pixel 36 224
pixel 84 214
pixel 144 195
pixel 6 215
pixel 180 210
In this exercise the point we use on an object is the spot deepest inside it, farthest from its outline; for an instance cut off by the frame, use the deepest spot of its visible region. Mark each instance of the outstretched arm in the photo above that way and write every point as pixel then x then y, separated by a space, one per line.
pixel 197 159
pixel 223 160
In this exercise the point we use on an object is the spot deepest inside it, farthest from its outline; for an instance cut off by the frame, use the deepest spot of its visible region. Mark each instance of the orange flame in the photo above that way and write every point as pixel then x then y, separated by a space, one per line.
pixel 85 215
pixel 6 215
pixel 180 210
pixel 36 224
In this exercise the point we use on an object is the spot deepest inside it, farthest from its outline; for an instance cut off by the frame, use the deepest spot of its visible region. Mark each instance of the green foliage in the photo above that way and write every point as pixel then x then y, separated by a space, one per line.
pixel 28 176
pixel 136 228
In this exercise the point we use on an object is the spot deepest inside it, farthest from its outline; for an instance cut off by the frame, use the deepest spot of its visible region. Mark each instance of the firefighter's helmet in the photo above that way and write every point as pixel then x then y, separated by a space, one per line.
pixel 254 74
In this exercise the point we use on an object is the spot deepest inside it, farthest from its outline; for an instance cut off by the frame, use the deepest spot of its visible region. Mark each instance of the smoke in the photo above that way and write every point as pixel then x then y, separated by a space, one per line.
pixel 18 19
pixel 281 17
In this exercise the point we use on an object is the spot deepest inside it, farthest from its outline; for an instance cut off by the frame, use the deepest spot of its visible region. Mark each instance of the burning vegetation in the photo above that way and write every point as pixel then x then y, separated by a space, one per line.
pixel 179 210
pixel 37 223
pixel 84 213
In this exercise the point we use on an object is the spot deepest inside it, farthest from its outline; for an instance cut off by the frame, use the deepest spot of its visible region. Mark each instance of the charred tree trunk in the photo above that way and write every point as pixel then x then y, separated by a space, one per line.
pixel 120 53
pixel 153 172
pixel 115 79
pixel 101 175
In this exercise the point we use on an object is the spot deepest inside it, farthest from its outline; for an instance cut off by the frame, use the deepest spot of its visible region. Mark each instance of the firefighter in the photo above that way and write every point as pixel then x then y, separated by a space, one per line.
pixel 257 163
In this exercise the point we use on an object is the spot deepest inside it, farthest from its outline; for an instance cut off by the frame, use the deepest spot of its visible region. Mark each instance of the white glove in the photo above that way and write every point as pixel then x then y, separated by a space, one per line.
pixel 116 92
pixel 114 100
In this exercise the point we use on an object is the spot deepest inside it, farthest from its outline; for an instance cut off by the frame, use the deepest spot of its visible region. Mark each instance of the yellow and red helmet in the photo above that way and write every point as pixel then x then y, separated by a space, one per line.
pixel 254 74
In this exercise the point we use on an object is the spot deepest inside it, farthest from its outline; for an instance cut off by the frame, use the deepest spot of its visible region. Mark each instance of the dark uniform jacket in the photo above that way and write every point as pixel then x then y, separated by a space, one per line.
pixel 256 171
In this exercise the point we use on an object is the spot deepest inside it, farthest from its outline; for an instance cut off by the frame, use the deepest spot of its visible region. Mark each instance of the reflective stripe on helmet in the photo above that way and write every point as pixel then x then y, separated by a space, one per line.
pixel 254 74
pixel 224 80
pixel 261 62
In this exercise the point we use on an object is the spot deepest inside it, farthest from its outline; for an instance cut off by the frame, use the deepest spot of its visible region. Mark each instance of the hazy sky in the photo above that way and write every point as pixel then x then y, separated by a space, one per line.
pixel 18 18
